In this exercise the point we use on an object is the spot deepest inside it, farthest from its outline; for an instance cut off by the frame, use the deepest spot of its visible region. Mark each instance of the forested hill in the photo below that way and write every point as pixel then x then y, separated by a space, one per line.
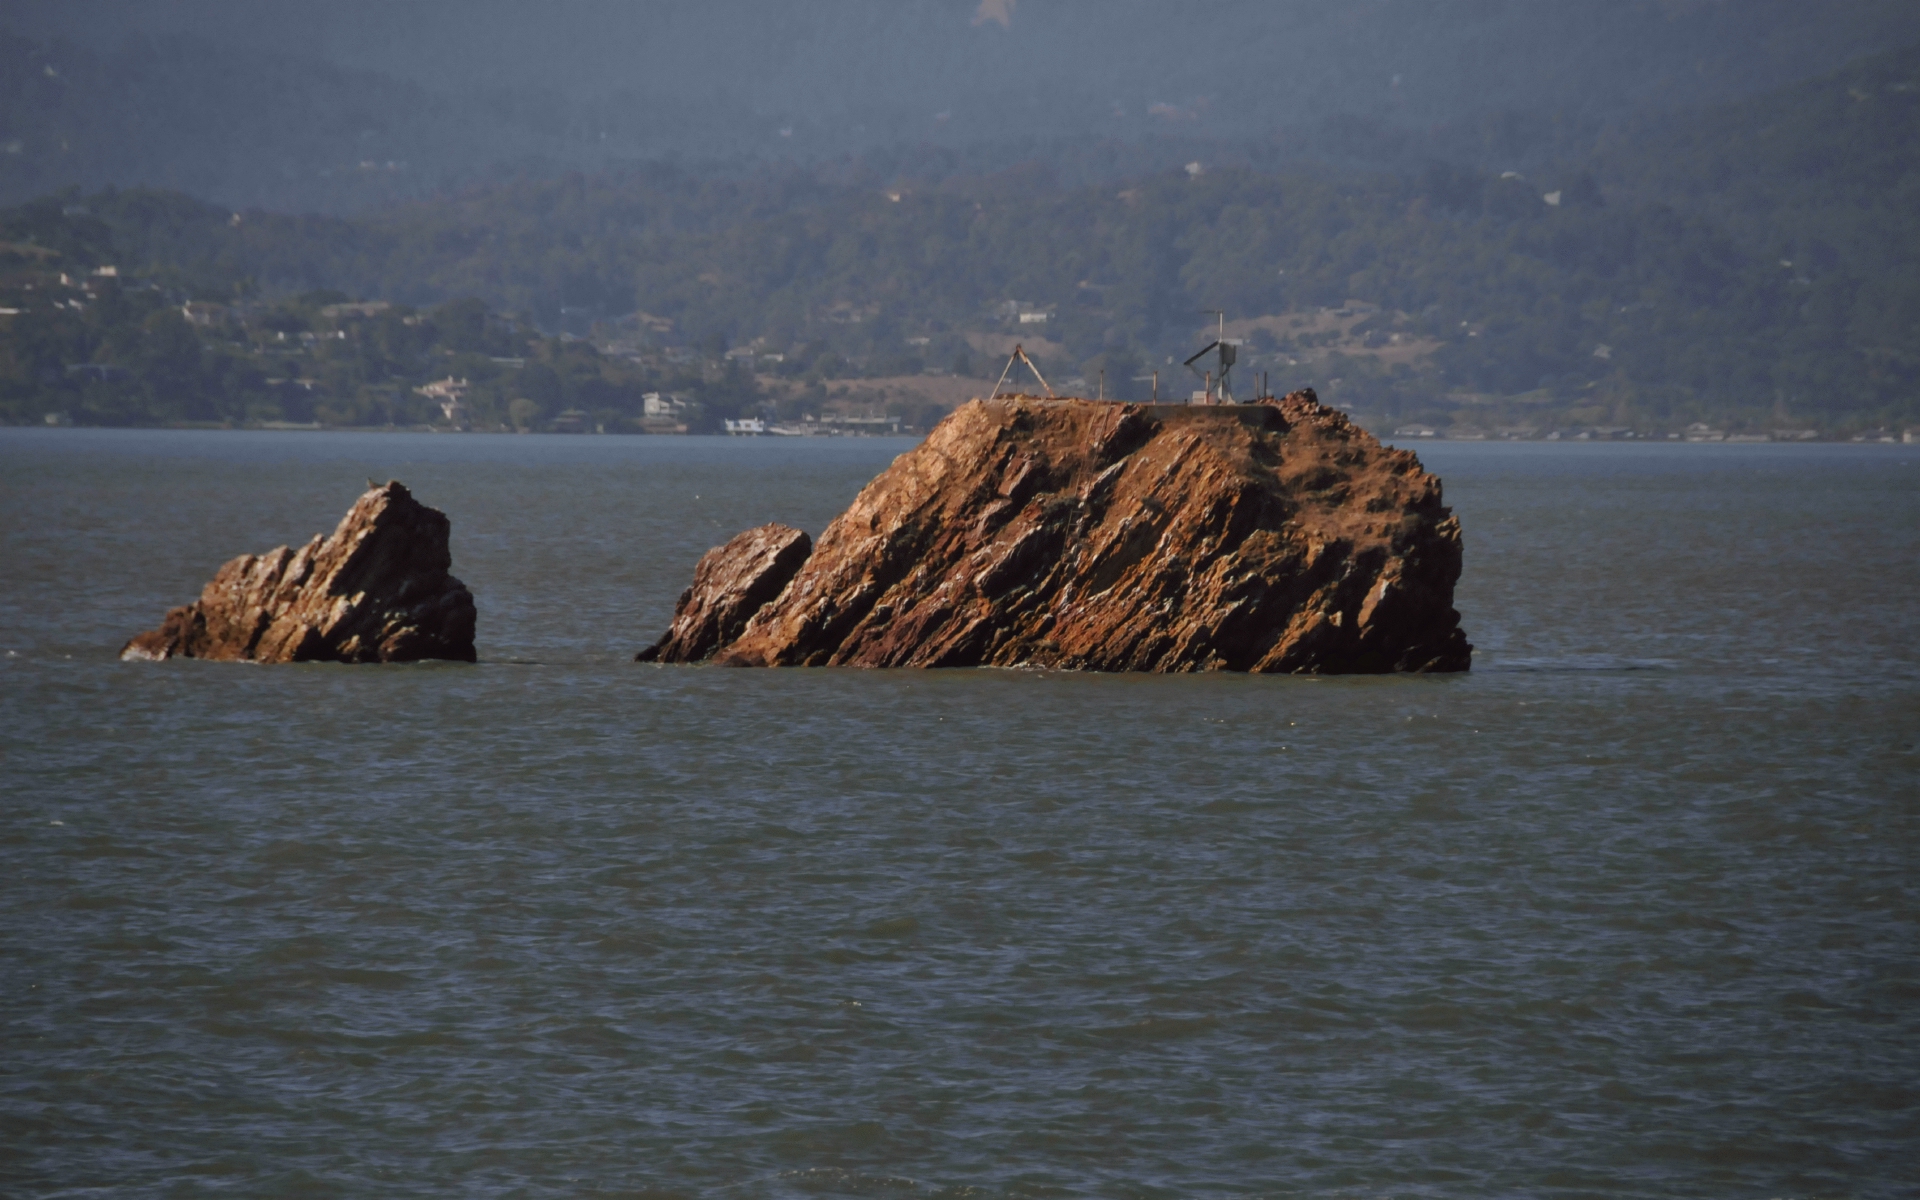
pixel 1828 169
pixel 1749 266
pixel 334 106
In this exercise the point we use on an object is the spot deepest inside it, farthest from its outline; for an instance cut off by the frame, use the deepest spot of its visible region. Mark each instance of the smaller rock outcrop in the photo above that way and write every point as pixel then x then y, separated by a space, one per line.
pixel 376 589
pixel 730 584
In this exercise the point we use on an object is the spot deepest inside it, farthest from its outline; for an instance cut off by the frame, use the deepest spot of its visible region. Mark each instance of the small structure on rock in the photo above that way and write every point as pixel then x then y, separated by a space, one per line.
pixel 1275 537
pixel 377 589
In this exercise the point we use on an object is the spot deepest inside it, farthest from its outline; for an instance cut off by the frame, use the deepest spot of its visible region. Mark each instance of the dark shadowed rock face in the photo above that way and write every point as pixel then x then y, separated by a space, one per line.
pixel 375 590
pixel 730 584
pixel 1116 537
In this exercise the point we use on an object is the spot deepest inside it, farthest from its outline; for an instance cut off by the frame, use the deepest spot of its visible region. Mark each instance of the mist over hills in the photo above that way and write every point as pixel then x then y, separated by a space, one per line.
pixel 351 104
pixel 1613 262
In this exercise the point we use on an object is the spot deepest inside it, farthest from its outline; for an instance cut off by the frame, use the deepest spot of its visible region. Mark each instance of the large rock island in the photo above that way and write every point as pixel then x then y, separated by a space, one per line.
pixel 375 590
pixel 1275 536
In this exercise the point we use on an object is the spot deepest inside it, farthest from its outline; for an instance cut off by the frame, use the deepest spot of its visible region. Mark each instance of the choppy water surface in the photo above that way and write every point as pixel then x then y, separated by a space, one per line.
pixel 1628 911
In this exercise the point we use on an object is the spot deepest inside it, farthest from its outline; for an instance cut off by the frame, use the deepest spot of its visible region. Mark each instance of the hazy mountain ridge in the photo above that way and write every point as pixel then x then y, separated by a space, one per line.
pixel 354 105
pixel 1777 168
pixel 1743 264
pixel 273 130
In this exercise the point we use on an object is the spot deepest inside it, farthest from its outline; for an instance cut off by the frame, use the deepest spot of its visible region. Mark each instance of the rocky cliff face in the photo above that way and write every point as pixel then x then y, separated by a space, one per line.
pixel 730 584
pixel 375 590
pixel 1110 537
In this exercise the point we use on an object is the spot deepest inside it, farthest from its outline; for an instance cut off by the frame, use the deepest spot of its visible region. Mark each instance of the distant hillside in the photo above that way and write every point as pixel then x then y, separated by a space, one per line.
pixel 1829 167
pixel 1820 182
pixel 278 130
pixel 340 106
pixel 1653 284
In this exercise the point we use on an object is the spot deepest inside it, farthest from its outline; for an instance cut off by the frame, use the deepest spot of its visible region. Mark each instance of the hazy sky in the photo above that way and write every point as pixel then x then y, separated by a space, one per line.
pixel 855 56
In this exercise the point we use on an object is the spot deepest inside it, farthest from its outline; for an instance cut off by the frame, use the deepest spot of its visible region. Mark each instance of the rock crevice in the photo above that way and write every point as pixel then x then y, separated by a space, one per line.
pixel 1273 537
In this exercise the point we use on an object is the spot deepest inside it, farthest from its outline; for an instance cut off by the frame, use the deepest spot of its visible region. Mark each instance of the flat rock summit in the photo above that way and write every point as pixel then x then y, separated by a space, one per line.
pixel 1274 537
pixel 377 589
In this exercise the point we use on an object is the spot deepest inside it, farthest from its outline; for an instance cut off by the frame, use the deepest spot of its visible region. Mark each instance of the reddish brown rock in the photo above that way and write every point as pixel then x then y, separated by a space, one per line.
pixel 375 590
pixel 730 584
pixel 1121 537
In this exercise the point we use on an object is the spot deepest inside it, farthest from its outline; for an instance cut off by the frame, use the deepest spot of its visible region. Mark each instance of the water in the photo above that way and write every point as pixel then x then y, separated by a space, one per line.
pixel 1628 911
